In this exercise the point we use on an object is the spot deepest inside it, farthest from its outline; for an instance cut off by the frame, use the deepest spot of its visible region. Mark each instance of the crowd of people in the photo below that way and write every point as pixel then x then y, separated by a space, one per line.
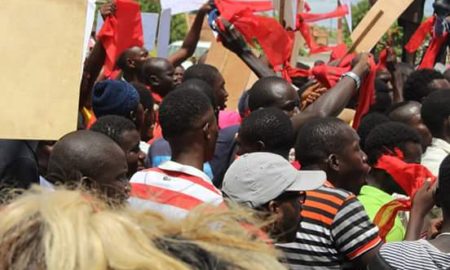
pixel 161 175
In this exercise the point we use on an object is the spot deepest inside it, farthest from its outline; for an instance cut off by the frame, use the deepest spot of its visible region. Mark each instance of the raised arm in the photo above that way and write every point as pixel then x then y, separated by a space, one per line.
pixel 334 100
pixel 191 39
pixel 234 41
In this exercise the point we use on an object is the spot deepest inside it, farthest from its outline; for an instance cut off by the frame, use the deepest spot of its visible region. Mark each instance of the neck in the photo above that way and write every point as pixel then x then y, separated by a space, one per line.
pixel 130 77
pixel 443 135
pixel 191 155
pixel 372 181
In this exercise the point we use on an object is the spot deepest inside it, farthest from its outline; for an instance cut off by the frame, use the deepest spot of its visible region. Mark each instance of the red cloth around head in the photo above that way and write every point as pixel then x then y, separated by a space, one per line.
pixel 121 31
pixel 410 177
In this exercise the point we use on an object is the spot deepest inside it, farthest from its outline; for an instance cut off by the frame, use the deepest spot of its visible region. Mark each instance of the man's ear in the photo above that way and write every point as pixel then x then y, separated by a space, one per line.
pixel 333 162
pixel 131 63
pixel 274 207
pixel 260 145
pixel 206 131
pixel 154 80
pixel 88 183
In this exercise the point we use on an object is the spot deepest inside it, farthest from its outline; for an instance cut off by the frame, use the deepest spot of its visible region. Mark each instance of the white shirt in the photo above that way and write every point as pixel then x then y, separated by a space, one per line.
pixel 172 189
pixel 435 154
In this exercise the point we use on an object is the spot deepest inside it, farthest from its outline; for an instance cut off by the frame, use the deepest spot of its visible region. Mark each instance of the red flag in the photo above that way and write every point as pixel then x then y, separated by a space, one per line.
pixel 419 36
pixel 121 31
pixel 429 59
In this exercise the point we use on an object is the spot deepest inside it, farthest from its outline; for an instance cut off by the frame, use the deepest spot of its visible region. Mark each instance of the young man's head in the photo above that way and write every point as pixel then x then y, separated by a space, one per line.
pixel 269 183
pixel 115 97
pixel 442 198
pixel 333 146
pixel 266 130
pixel 422 82
pixel 131 60
pixel 408 112
pixel 148 119
pixel 188 123
pixel 389 139
pixel 125 134
pixel 369 122
pixel 92 160
pixel 158 73
pixel 204 88
pixel 211 76
pixel 436 112
pixel 178 75
pixel 274 92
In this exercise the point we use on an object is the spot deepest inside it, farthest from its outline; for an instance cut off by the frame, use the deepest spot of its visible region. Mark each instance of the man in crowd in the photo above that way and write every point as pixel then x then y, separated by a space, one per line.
pixel 388 139
pixel 422 82
pixel 435 114
pixel 177 186
pixel 125 134
pixel 335 230
pixel 268 183
pixel 90 160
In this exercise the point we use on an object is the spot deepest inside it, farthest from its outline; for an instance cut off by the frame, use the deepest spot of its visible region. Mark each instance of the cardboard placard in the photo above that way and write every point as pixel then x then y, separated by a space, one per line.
pixel 376 23
pixel 42 50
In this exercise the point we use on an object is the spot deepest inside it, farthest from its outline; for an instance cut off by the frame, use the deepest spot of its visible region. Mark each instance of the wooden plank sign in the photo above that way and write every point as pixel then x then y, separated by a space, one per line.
pixel 42 43
pixel 376 23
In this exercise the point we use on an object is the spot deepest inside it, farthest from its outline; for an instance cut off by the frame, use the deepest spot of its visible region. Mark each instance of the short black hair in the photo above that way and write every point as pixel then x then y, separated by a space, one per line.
pixel 417 86
pixel 145 96
pixel 204 72
pixel 386 137
pixel 271 126
pixel 261 93
pixel 200 86
pixel 181 110
pixel 435 110
pixel 318 138
pixel 113 126
pixel 369 122
pixel 444 185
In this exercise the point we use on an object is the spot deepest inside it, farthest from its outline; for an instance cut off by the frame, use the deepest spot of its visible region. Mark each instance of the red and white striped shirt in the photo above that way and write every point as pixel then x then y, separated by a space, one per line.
pixel 173 189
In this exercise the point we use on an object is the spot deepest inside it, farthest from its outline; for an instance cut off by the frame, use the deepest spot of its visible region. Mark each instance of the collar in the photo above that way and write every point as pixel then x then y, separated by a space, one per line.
pixel 375 193
pixel 178 167
pixel 441 144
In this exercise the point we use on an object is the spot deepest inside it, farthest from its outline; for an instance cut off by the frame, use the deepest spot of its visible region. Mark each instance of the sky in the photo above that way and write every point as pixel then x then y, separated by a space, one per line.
pixel 321 6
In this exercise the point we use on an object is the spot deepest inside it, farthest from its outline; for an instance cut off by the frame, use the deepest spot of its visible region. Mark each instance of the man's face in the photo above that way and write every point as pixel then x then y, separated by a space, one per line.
pixel 178 75
pixel 352 162
pixel 112 179
pixel 148 125
pixel 220 92
pixel 137 57
pixel 130 140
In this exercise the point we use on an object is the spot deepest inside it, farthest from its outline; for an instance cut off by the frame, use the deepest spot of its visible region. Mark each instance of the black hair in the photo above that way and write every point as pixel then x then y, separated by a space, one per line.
pixel 369 122
pixel 261 93
pixel 386 137
pixel 435 110
pixel 113 126
pixel 318 138
pixel 145 96
pixel 444 185
pixel 181 110
pixel 417 86
pixel 204 72
pixel 271 126
pixel 200 86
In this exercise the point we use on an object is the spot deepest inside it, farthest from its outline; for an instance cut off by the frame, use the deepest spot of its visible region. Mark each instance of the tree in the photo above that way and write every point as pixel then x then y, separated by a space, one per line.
pixel 178 25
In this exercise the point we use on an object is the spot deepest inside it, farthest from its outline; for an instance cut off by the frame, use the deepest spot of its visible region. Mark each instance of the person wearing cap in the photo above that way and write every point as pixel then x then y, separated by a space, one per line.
pixel 267 182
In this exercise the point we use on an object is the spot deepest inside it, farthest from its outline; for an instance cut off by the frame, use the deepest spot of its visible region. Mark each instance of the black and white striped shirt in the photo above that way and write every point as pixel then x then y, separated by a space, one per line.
pixel 414 255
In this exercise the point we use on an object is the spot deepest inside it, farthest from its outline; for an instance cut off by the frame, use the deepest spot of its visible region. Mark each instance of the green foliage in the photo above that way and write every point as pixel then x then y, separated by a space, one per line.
pixel 358 12
pixel 178 25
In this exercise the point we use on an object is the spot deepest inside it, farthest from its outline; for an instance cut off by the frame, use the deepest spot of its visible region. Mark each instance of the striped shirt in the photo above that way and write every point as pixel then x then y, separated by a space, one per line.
pixel 334 230
pixel 172 189
pixel 414 255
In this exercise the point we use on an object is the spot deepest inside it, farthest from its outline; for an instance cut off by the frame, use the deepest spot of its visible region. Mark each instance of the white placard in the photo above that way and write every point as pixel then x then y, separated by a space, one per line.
pixel 181 6
pixel 164 33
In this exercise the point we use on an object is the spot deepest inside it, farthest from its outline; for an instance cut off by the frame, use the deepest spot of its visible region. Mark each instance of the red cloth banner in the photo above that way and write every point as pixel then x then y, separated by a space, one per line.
pixel 121 31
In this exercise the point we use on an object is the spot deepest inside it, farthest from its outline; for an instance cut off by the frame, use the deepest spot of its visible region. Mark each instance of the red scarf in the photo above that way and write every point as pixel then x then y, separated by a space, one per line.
pixel 120 32
pixel 436 42
pixel 410 177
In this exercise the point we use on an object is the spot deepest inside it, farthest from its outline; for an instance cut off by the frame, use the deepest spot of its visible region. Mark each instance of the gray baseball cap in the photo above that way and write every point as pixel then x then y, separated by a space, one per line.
pixel 257 178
